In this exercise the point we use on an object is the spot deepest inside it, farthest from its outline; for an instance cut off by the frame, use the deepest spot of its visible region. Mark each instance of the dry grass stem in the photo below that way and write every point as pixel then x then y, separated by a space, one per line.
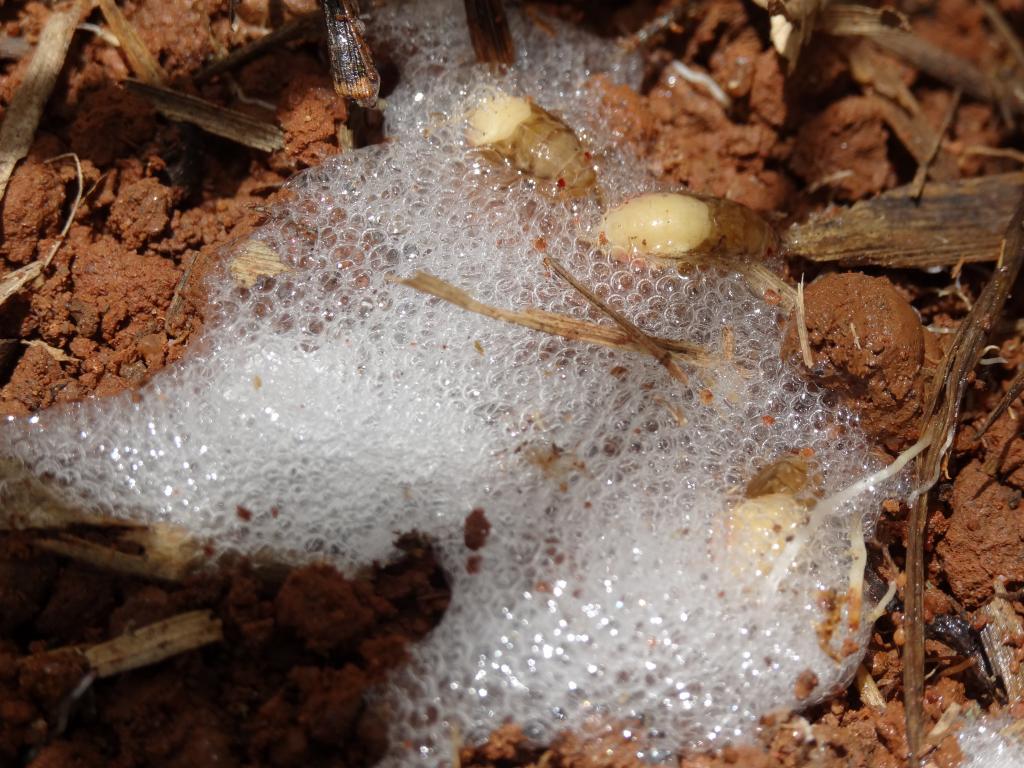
pixel 308 26
pixel 1000 637
pixel 140 59
pixel 942 410
pixel 952 222
pixel 1012 393
pixel 74 207
pixel 946 721
pixel 915 135
pixel 889 30
pixel 917 185
pixel 169 554
pixel 178 298
pixel 638 337
pixel 154 643
pixel 14 281
pixel 850 19
pixel 26 108
pixel 220 121
pixel 801 326
pixel 550 322
pixel 1004 152
pixel 255 259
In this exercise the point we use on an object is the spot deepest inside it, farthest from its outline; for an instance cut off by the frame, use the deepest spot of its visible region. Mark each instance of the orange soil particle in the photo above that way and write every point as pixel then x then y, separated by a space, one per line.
pixel 985 536
pixel 867 344
pixel 32 210
pixel 845 146
pixel 476 529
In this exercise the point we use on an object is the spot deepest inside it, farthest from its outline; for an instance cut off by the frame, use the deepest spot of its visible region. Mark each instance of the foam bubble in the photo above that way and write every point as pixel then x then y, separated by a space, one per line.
pixel 991 742
pixel 341 408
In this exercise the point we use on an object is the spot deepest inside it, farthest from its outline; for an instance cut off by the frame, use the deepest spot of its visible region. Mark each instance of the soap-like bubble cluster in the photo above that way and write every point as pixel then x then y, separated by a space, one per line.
pixel 341 408
pixel 991 742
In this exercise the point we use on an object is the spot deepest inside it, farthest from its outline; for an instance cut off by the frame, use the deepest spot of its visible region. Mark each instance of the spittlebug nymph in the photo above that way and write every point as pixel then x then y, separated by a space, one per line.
pixel 680 225
pixel 533 141
pixel 775 507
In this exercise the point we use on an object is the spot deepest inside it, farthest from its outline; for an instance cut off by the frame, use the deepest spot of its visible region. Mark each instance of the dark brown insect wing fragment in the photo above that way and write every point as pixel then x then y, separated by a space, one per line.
pixel 489 30
pixel 352 69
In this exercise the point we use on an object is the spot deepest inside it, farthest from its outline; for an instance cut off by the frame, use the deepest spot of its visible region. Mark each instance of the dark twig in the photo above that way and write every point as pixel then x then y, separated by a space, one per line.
pixel 489 31
pixel 940 417
pixel 1016 387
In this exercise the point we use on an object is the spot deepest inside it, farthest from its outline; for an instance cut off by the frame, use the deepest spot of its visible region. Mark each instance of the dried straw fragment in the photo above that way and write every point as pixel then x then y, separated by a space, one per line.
pixel 220 121
pixel 1005 31
pixel 1000 637
pixel 169 554
pixel 154 643
pixel 140 59
pixel 26 108
pixel 801 327
pixel 868 689
pixel 488 29
pixel 638 337
pixel 1011 394
pixel 14 281
pixel 550 322
pixel 917 185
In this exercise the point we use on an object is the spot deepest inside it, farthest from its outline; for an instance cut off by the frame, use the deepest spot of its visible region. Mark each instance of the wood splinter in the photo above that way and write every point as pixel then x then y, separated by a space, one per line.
pixel 154 643
pixel 148 645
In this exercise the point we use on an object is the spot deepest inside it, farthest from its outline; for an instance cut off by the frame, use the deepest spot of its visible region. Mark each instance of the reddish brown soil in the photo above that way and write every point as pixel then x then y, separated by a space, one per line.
pixel 285 688
pixel 868 344
pixel 160 200
pixel 156 198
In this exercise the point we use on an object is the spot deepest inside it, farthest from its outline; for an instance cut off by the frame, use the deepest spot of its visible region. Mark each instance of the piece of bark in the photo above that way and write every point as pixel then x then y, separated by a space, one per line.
pixel 220 121
pixel 952 222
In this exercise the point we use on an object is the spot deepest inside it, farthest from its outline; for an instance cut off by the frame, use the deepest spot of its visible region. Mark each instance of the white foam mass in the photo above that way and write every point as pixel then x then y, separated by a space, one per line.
pixel 991 742
pixel 342 409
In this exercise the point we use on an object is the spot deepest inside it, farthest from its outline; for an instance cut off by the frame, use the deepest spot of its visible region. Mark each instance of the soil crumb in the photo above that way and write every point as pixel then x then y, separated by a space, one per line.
pixel 867 344
pixel 287 687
